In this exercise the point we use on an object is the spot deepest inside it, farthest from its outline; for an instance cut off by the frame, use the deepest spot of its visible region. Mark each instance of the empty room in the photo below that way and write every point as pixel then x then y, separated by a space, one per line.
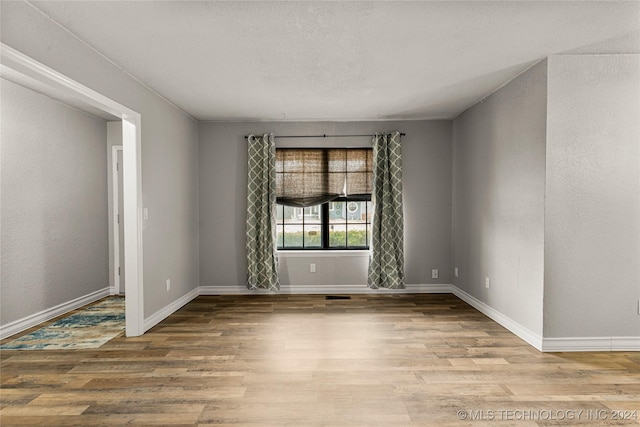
pixel 270 213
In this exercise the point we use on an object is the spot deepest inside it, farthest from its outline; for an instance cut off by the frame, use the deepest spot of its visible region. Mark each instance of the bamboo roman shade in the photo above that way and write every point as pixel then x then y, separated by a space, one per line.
pixel 310 176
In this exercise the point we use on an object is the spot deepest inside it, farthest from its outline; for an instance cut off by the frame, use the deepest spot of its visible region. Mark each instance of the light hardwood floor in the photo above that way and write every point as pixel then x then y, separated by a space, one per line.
pixel 373 360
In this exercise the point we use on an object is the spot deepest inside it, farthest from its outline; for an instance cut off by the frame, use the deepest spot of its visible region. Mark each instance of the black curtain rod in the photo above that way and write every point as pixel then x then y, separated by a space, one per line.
pixel 321 136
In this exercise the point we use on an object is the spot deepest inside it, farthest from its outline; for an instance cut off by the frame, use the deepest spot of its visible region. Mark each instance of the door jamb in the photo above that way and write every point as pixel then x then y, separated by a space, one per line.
pixel 115 206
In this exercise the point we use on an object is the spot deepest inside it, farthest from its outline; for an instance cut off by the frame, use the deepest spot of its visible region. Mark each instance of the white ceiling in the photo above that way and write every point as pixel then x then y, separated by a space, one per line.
pixel 339 60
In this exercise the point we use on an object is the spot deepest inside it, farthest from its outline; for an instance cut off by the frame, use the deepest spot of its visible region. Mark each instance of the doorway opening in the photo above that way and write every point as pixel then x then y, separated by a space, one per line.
pixel 131 168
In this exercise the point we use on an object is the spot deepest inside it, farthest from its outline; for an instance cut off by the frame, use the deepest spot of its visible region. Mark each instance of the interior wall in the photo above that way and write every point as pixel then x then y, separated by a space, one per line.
pixel 53 180
pixel 498 198
pixel 169 149
pixel 592 219
pixel 426 151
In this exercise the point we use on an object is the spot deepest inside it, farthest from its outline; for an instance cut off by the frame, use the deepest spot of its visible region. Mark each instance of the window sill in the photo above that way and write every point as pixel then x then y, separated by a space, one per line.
pixel 323 253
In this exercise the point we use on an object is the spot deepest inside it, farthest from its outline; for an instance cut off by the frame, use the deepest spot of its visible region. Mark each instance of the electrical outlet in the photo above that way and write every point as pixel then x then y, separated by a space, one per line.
pixel 455 271
pixel 145 213
pixel 434 273
pixel 168 284
pixel 486 282
pixel 312 268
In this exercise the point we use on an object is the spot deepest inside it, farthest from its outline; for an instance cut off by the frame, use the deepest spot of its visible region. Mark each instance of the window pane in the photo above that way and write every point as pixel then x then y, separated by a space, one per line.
pixel 357 160
pixel 304 174
pixel 312 214
pixel 280 234
pixel 279 184
pixel 337 215
pixel 337 160
pixel 356 211
pixel 357 235
pixel 312 160
pixel 312 236
pixel 313 184
pixel 289 161
pixel 292 185
pixel 336 183
pixel 292 215
pixel 358 183
pixel 292 236
pixel 338 235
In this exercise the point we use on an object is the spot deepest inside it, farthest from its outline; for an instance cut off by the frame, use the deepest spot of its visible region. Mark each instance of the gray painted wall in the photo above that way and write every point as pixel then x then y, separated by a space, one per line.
pixel 169 149
pixel 426 154
pixel 592 220
pixel 498 198
pixel 54 203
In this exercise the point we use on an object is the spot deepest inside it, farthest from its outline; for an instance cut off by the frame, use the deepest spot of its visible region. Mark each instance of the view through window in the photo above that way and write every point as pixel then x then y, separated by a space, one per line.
pixel 340 179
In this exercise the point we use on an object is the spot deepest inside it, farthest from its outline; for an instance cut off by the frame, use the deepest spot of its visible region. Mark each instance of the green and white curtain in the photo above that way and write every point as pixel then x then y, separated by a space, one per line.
pixel 262 260
pixel 386 256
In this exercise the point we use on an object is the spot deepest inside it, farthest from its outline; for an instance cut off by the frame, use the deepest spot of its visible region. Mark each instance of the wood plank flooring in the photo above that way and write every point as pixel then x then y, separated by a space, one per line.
pixel 373 360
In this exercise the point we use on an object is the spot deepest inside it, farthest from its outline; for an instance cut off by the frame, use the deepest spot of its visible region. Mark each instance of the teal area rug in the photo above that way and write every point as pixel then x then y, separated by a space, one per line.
pixel 89 328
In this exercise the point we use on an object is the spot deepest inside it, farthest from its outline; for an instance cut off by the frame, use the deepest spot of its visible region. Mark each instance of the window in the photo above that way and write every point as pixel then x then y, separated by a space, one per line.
pixel 323 198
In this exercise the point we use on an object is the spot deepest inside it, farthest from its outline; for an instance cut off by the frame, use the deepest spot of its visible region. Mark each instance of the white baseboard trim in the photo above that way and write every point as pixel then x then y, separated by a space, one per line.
pixel 326 290
pixel 591 344
pixel 168 310
pixel 525 334
pixel 440 288
pixel 20 325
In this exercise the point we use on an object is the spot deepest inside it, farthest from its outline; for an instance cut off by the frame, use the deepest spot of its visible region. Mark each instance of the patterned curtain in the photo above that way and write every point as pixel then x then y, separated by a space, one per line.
pixel 386 256
pixel 262 263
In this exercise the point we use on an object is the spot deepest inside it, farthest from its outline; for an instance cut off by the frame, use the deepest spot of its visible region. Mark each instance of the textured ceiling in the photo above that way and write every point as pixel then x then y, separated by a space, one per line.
pixel 339 60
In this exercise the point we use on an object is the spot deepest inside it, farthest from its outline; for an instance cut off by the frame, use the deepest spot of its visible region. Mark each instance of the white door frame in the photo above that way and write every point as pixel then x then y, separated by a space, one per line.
pixel 132 172
pixel 115 206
